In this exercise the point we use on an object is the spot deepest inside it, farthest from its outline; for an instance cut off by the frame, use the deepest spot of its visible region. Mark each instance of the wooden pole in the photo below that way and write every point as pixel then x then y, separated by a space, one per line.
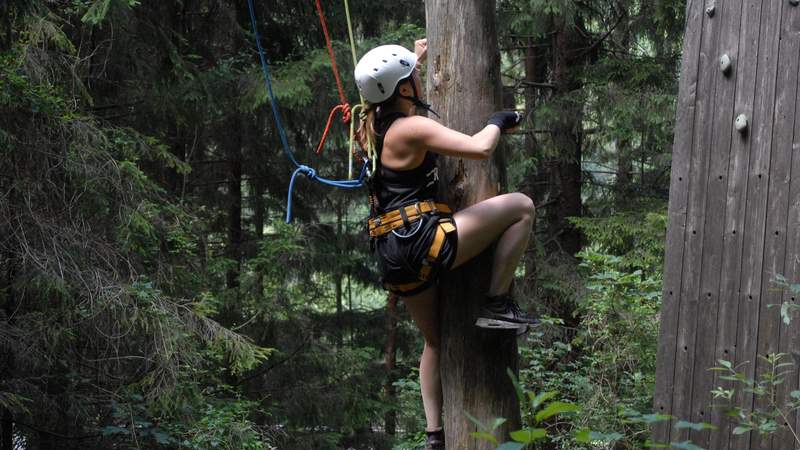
pixel 464 87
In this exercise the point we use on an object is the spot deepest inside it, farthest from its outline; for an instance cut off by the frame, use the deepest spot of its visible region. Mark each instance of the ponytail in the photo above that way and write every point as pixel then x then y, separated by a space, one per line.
pixel 366 129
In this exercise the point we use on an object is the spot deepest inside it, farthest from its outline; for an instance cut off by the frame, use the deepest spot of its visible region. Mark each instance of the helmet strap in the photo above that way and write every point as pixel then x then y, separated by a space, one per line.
pixel 416 100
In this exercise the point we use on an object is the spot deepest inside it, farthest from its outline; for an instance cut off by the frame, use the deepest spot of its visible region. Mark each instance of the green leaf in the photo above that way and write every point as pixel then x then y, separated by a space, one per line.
pixel 741 429
pixel 489 437
pixel 654 418
pixel 111 430
pixel 97 12
pixel 163 438
pixel 511 446
pixel 517 386
pixel 586 436
pixel 475 420
pixel 553 409
pixel 686 445
pixel 651 444
pixel 694 426
pixel 528 435
pixel 497 422
pixel 583 435
pixel 537 400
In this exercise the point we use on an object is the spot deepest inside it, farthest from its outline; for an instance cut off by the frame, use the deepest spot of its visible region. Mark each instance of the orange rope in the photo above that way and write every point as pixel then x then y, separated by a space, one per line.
pixel 330 51
pixel 345 109
pixel 344 106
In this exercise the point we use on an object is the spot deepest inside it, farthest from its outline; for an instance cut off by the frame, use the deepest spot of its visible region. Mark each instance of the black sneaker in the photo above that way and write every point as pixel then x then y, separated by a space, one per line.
pixel 435 440
pixel 504 313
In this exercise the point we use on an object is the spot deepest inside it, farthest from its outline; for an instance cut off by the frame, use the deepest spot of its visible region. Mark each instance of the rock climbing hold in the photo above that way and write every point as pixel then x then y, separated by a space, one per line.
pixel 712 9
pixel 725 64
pixel 741 123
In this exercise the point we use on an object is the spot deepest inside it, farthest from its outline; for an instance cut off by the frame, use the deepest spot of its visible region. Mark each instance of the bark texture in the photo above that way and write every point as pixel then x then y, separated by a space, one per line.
pixel 464 87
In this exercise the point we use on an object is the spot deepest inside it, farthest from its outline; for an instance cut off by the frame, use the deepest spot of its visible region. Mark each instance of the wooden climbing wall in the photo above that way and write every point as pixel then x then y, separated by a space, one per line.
pixel 734 218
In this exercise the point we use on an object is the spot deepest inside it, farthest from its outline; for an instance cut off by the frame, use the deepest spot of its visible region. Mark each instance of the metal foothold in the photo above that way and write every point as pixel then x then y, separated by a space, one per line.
pixel 741 123
pixel 725 64
pixel 794 2
pixel 712 9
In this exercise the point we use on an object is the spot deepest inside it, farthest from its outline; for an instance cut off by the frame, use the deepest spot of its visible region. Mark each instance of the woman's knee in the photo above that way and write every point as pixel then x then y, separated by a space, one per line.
pixel 432 343
pixel 524 206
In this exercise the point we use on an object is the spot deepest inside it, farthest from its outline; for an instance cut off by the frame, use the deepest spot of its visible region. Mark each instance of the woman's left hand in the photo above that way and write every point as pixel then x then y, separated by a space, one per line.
pixel 421 49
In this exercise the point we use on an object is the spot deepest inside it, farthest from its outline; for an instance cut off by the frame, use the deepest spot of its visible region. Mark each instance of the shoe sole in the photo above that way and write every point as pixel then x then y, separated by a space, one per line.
pixel 495 324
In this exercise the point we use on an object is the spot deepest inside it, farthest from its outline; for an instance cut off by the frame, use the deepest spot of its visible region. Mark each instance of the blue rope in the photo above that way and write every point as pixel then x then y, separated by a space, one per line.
pixel 309 172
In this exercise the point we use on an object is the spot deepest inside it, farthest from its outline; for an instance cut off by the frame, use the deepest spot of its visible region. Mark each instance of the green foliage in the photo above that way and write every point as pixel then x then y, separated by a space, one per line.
pixel 788 308
pixel 132 422
pixel 121 126
pixel 225 425
pixel 97 10
pixel 606 365
pixel 767 414
pixel 635 238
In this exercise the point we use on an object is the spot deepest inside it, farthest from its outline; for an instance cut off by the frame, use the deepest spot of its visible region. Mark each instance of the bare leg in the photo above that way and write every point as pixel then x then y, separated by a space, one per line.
pixel 423 308
pixel 508 217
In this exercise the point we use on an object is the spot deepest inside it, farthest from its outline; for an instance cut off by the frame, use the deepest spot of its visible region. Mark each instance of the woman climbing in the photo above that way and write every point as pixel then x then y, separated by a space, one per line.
pixel 414 237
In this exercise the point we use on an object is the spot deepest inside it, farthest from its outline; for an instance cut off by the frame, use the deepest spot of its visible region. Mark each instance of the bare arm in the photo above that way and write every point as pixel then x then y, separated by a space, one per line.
pixel 425 133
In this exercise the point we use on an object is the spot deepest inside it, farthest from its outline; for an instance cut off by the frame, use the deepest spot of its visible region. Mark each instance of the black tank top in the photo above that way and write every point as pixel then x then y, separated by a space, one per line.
pixel 397 188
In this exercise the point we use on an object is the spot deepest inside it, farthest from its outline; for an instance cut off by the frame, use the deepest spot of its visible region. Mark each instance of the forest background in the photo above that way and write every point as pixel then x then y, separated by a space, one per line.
pixel 151 295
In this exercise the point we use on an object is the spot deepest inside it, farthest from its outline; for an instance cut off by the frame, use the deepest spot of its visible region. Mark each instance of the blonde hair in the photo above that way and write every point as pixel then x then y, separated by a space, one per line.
pixel 366 129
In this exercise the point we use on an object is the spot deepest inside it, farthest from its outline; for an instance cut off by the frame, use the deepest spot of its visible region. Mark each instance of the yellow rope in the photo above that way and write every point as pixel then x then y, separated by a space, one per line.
pixel 370 146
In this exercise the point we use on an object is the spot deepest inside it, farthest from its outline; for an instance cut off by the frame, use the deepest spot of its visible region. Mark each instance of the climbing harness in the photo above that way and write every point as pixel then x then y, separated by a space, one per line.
pixel 343 107
pixel 405 217
pixel 393 220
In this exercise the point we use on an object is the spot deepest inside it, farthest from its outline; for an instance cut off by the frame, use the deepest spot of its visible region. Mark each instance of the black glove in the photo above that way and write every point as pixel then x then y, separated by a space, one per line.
pixel 505 119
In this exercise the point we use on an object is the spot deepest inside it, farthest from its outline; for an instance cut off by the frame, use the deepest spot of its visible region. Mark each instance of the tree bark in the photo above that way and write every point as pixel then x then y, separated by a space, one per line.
pixel 338 276
pixel 7 427
pixel 233 249
pixel 464 86
pixel 567 139
pixel 534 73
pixel 7 421
pixel 390 361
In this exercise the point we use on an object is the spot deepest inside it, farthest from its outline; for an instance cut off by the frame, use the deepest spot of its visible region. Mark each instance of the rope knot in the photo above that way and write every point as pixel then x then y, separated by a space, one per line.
pixel 309 172
pixel 346 113
pixel 345 109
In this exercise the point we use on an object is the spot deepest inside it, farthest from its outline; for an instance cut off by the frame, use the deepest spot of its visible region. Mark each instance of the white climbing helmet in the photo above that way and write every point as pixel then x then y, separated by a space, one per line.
pixel 379 71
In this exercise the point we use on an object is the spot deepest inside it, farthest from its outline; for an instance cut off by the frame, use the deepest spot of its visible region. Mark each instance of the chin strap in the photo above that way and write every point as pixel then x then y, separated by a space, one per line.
pixel 417 102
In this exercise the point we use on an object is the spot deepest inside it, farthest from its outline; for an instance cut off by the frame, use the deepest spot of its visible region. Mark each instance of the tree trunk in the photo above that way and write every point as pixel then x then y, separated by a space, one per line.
pixel 566 136
pixel 7 427
pixel 390 418
pixel 7 421
pixel 5 11
pixel 534 73
pixel 233 249
pixel 464 85
pixel 623 185
pixel 338 277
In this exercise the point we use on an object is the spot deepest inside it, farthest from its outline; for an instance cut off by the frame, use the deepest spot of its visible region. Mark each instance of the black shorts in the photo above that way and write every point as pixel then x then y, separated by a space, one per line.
pixel 402 252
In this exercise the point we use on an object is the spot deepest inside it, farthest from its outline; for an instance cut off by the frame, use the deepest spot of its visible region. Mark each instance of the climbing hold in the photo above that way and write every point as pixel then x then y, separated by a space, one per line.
pixel 794 2
pixel 741 123
pixel 725 64
pixel 712 9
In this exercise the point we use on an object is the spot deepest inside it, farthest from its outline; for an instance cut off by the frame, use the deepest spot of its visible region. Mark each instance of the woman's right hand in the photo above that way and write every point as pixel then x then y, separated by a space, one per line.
pixel 505 120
